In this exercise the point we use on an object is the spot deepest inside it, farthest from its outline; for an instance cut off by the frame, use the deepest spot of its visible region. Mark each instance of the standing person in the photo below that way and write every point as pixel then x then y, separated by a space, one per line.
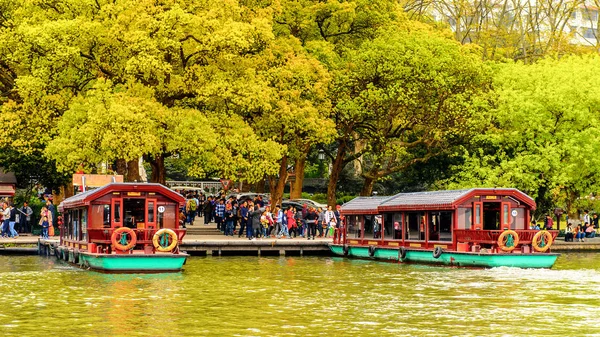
pixel 249 228
pixel 256 225
pixel 25 217
pixel 206 209
pixel 244 218
pixel 299 222
pixel 201 200
pixel 586 217
pixel 229 219
pixel 548 223
pixel 196 210
pixel 330 220
pixel 595 222
pixel 311 222
pixel 270 221
pixel 6 220
pixel 12 221
pixel 278 215
pixel 321 221
pixel 259 201
pixel 304 223
pixel 219 214
pixel 190 209
pixel 51 216
pixel 283 228
pixel 291 222
pixel 236 215
pixel 45 226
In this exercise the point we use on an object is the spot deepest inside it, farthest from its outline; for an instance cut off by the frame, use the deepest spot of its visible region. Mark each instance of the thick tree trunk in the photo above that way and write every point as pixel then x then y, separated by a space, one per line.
pixel 336 170
pixel 159 173
pixel 367 188
pixel 277 184
pixel 133 171
pixel 122 167
pixel 296 189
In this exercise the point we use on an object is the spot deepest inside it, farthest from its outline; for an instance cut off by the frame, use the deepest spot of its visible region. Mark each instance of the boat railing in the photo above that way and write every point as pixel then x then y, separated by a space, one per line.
pixel 143 235
pixel 491 236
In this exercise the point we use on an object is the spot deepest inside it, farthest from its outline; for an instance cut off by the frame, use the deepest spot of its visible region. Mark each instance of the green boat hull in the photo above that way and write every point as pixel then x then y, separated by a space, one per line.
pixel 141 263
pixel 463 259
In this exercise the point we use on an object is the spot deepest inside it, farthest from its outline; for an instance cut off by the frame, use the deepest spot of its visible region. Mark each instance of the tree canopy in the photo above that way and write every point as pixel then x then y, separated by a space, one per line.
pixel 248 90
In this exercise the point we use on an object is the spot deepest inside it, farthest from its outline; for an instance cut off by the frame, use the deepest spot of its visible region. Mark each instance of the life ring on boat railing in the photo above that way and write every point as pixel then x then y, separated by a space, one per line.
pixel 371 251
pixel 437 252
pixel 161 240
pixel 119 238
pixel 401 253
pixel 508 240
pixel 541 241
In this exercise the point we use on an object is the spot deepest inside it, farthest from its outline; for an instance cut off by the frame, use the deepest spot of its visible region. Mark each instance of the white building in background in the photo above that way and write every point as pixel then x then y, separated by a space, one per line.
pixel 583 24
pixel 580 18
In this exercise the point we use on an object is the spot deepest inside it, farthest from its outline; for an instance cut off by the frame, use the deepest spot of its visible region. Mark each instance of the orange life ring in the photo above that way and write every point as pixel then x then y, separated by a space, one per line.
pixel 119 238
pixel 161 242
pixel 508 240
pixel 541 241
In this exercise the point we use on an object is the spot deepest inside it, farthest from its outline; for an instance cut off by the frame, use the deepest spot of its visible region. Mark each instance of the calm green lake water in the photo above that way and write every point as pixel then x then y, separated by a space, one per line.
pixel 292 296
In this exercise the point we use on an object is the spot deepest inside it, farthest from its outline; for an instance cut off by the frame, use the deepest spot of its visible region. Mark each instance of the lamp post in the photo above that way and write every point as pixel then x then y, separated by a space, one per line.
pixel 321 155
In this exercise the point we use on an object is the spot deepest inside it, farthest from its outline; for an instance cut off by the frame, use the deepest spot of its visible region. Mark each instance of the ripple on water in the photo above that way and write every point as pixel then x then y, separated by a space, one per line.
pixel 250 296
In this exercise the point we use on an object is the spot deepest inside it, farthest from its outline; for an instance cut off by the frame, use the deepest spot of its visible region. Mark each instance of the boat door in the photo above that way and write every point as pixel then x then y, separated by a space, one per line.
pixel 491 215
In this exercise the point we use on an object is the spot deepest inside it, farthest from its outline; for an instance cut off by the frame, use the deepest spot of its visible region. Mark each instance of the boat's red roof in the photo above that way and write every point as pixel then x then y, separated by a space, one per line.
pixel 432 200
pixel 85 198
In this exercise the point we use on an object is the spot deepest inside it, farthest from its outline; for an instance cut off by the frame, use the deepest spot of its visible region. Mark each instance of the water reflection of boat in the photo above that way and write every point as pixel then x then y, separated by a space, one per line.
pixel 123 227
pixel 480 227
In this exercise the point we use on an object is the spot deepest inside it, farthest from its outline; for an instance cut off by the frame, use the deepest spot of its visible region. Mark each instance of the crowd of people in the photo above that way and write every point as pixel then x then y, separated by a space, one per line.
pixel 256 219
pixel 18 220
pixel 588 228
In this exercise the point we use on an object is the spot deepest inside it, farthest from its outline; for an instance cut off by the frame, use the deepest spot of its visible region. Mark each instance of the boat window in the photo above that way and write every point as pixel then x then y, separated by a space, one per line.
pixel 353 226
pixel 415 224
pixel 69 224
pixel 106 217
pixel 505 214
pixel 377 226
pixel 388 226
pixel 478 214
pixel 397 226
pixel 84 223
pixel 440 226
pixel 117 211
pixel 99 216
pixel 368 225
pixel 66 217
pixel 465 218
pixel 74 230
pixel 150 211
pixel 133 212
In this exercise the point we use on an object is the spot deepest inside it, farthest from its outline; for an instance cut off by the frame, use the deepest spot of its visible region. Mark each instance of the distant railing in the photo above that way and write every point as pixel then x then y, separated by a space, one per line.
pixel 206 186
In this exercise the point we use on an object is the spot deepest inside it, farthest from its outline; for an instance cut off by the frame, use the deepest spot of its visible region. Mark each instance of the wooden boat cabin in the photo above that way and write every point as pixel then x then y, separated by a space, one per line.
pixel 90 218
pixel 457 220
